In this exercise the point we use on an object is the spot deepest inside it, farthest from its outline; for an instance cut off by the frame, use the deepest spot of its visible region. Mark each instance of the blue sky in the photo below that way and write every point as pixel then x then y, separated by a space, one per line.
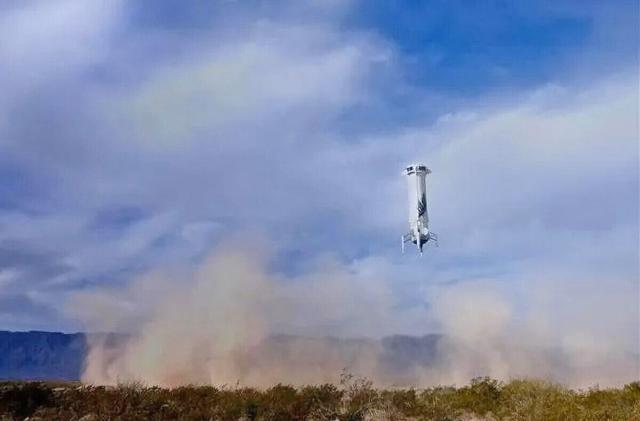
pixel 142 137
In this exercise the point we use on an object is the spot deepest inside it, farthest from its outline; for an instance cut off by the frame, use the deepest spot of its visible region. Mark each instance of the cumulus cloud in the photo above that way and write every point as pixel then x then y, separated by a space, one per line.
pixel 42 41
pixel 168 141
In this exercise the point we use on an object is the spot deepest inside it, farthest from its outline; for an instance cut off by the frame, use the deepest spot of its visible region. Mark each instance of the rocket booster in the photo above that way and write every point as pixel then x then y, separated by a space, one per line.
pixel 419 233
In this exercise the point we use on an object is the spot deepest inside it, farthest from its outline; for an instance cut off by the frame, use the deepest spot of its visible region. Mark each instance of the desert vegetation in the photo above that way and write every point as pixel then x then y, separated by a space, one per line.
pixel 352 400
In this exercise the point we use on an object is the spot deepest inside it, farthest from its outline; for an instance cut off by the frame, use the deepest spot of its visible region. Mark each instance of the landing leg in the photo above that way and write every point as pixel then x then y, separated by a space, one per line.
pixel 434 237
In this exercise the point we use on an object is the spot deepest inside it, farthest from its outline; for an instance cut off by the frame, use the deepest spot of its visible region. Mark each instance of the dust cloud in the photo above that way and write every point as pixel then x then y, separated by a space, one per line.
pixel 232 321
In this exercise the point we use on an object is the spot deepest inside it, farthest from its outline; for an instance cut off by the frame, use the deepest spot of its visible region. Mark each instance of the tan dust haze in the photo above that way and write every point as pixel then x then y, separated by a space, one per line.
pixel 219 325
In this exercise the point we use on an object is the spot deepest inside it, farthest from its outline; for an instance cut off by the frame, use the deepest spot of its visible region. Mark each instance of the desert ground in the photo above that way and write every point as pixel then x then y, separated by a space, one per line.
pixel 351 400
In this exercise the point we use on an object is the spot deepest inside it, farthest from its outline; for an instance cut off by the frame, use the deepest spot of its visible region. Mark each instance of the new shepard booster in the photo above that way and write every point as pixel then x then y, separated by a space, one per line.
pixel 419 233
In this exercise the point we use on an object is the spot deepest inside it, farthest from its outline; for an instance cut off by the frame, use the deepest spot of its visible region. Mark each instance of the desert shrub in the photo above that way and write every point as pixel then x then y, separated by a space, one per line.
pixel 480 397
pixel 439 404
pixel 22 400
pixel 281 402
pixel 192 401
pixel 405 402
pixel 231 405
pixel 323 401
pixel 537 400
pixel 611 404
pixel 355 399
pixel 359 398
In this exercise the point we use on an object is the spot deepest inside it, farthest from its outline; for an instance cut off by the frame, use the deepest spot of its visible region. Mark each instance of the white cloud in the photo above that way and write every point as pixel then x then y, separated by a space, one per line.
pixel 42 40
pixel 242 132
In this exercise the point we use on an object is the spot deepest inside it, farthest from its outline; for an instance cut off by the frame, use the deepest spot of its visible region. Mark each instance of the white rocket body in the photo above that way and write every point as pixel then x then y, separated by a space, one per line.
pixel 419 232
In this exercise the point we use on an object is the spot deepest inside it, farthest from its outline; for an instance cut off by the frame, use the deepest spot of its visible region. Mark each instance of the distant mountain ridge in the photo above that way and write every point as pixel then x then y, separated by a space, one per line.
pixel 38 355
